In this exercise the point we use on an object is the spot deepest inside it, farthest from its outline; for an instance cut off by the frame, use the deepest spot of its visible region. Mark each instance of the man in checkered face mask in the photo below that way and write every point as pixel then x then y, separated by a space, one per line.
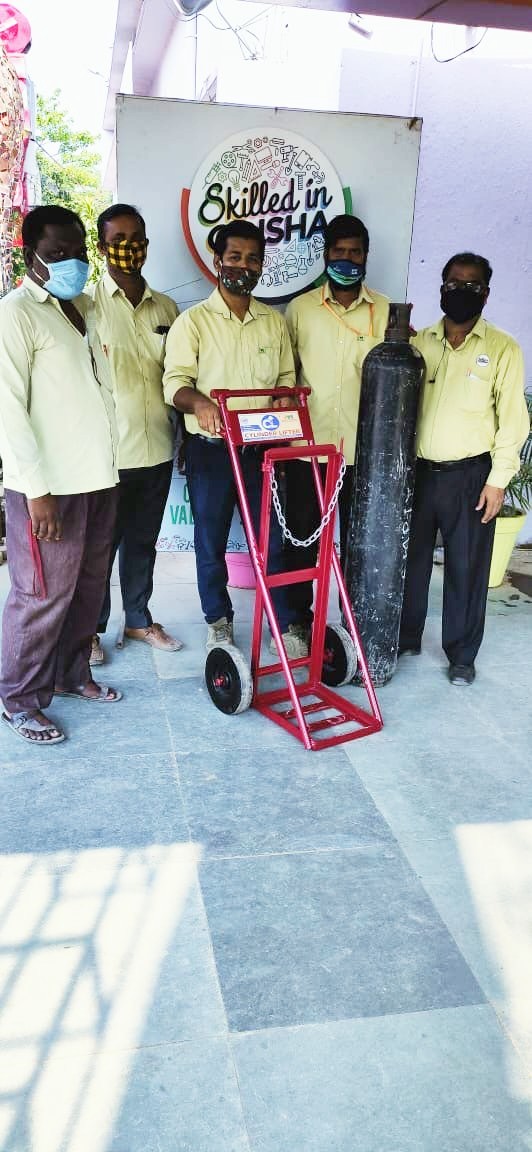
pixel 132 322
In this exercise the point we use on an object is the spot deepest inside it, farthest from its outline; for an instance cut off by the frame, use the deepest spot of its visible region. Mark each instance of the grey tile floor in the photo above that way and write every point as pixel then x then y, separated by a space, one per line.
pixel 214 941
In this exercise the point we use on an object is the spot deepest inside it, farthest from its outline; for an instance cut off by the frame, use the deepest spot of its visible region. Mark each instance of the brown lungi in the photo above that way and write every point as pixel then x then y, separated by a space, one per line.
pixel 57 589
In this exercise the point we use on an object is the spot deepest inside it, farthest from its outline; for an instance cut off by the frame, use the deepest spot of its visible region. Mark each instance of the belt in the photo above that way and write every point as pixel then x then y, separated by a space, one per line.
pixel 219 442
pixel 451 465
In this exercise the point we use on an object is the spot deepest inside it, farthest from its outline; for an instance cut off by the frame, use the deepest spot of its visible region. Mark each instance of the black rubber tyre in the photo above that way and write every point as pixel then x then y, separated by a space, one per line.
pixel 339 657
pixel 228 679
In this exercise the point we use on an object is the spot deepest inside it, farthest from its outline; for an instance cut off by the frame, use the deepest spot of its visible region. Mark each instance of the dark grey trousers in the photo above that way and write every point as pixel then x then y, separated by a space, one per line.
pixel 142 496
pixel 446 500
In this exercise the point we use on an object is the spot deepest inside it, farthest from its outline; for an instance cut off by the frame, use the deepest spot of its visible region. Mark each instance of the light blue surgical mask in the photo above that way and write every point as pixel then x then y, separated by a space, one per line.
pixel 66 278
pixel 346 274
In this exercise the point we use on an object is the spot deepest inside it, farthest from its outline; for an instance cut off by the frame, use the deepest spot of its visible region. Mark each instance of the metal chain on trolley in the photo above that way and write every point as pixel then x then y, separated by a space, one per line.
pixel 324 520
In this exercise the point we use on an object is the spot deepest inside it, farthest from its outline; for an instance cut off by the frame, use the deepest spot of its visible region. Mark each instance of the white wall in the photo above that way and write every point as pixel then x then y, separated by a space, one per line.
pixel 281 59
pixel 261 55
pixel 176 75
pixel 475 176
pixel 474 186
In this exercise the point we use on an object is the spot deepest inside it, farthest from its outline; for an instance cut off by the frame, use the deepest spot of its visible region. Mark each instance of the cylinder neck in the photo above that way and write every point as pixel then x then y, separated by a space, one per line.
pixel 398 330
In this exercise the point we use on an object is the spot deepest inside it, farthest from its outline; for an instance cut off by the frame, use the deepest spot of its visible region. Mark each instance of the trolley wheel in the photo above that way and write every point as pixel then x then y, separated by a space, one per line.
pixel 339 656
pixel 228 679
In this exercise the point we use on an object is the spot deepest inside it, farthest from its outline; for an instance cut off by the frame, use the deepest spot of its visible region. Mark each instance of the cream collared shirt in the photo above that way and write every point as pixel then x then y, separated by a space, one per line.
pixel 330 343
pixel 135 353
pixel 209 347
pixel 57 419
pixel 473 399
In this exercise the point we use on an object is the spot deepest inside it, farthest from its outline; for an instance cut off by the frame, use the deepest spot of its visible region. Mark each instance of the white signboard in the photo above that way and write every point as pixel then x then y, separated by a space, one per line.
pixel 190 167
pixel 177 528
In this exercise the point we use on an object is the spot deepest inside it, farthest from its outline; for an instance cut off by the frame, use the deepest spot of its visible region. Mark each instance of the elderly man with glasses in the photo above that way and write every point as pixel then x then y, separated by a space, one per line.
pixel 473 421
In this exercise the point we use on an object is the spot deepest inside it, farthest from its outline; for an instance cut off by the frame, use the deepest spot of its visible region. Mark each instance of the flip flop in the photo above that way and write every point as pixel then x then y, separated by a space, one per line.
pixel 23 722
pixel 104 695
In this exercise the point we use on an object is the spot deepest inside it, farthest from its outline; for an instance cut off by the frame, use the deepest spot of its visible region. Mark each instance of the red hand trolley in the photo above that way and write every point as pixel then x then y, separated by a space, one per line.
pixel 333 650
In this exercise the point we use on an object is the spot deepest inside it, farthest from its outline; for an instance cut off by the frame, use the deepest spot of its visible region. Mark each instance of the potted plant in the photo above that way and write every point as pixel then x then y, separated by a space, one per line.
pixel 512 516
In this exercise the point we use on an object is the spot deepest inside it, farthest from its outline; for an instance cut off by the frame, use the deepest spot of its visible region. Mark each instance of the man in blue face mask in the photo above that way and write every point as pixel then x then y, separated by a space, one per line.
pixel 332 328
pixel 58 448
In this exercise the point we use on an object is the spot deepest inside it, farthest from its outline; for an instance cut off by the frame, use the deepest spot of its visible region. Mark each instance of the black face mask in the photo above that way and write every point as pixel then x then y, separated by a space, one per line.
pixel 461 304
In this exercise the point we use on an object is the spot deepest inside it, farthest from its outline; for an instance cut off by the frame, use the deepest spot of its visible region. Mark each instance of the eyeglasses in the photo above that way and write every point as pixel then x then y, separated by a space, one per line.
pixel 471 285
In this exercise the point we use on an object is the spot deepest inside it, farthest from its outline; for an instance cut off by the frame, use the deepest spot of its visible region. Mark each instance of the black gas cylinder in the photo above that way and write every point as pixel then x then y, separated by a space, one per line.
pixel 383 486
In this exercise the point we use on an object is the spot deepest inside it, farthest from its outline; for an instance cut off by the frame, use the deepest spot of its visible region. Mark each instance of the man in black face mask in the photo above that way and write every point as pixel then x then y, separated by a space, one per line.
pixel 473 421
pixel 230 340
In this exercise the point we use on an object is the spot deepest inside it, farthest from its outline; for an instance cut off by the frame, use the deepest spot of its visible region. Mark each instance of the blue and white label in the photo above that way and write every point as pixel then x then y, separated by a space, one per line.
pixel 270 422
pixel 284 424
pixel 483 361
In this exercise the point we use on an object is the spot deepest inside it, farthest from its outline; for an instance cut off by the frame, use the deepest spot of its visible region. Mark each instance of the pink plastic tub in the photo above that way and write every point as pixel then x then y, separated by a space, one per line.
pixel 240 569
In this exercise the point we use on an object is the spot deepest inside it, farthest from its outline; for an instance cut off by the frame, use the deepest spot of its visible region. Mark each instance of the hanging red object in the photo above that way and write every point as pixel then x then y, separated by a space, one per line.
pixel 15 29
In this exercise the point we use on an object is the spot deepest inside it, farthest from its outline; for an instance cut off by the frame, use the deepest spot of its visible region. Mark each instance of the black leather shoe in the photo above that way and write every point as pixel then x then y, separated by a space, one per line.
pixel 409 650
pixel 461 673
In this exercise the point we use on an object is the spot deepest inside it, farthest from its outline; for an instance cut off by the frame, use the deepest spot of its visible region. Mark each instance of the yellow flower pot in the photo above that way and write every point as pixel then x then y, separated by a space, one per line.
pixel 507 529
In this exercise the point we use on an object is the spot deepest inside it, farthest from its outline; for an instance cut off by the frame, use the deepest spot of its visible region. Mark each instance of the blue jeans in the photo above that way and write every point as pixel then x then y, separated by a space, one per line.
pixel 213 498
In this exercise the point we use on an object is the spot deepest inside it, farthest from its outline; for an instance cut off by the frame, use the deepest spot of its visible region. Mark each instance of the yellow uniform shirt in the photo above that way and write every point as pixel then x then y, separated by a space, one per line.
pixel 330 343
pixel 473 399
pixel 209 347
pixel 57 418
pixel 135 352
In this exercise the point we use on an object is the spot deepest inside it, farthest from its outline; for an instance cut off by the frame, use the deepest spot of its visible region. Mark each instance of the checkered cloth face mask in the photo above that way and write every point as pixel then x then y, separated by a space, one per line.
pixel 128 255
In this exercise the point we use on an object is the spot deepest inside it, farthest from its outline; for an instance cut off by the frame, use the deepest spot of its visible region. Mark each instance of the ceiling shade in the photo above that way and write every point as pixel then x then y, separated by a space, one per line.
pixel 480 13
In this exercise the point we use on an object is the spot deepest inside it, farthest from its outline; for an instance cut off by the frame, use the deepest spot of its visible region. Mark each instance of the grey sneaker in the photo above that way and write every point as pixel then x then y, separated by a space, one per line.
pixel 220 632
pixel 295 641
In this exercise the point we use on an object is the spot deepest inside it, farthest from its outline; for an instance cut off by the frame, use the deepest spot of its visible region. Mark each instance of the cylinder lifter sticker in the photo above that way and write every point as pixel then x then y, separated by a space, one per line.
pixel 280 425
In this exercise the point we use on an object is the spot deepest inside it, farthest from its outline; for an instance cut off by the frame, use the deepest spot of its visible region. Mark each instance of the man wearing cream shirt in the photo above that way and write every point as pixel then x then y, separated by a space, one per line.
pixel 332 328
pixel 132 321
pixel 472 424
pixel 58 445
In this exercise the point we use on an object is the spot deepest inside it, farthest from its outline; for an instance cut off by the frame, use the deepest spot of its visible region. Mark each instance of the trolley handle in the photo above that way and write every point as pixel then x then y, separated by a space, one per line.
pixel 224 394
pixel 232 417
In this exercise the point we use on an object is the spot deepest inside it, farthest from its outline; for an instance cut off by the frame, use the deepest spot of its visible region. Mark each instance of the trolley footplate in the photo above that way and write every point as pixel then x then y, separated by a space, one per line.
pixel 337 713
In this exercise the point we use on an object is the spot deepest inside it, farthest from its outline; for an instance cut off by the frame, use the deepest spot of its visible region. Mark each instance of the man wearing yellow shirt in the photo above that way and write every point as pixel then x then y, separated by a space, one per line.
pixel 229 341
pixel 473 422
pixel 132 323
pixel 58 446
pixel 332 328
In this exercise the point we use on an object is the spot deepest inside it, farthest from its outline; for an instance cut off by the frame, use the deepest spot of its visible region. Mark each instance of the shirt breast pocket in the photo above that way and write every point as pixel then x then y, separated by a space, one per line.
pixel 155 346
pixel 266 366
pixel 477 393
